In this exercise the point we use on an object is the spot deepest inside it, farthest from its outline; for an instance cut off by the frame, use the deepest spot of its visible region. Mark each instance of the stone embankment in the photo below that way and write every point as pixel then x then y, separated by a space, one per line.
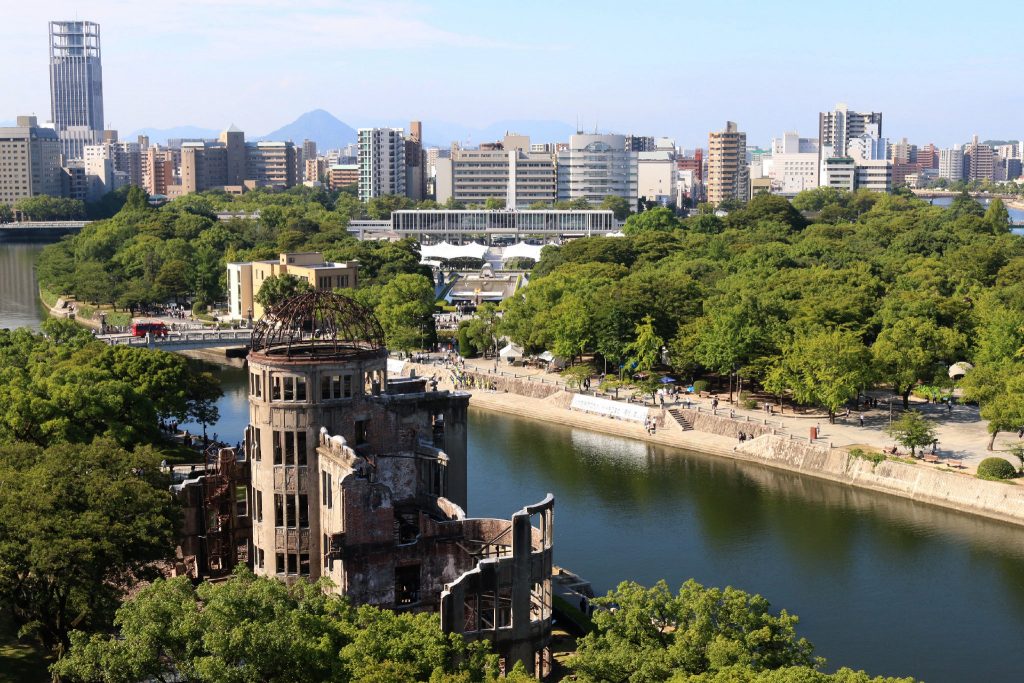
pixel 999 500
pixel 718 435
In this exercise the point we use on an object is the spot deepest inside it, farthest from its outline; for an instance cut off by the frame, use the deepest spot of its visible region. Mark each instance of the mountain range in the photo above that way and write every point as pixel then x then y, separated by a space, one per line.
pixel 329 132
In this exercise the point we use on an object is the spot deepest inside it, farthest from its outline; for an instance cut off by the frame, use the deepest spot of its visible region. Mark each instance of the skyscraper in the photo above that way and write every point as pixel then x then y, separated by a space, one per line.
pixel 76 85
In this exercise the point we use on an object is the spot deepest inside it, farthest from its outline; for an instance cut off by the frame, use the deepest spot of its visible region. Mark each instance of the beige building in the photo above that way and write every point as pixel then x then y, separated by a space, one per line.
pixel 245 279
pixel 158 169
pixel 342 175
pixel 506 170
pixel 727 165
pixel 29 161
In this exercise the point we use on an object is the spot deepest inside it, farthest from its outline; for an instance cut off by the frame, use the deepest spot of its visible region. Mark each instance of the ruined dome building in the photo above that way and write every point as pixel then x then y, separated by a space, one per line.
pixel 362 479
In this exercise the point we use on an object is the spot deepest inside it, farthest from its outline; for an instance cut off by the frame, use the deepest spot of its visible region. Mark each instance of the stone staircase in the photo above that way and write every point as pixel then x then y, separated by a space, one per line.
pixel 681 418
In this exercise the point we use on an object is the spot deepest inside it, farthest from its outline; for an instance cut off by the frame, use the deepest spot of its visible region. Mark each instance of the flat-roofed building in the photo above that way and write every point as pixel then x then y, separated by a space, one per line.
pixel 382 168
pixel 592 167
pixel 507 170
pixel 30 161
pixel 342 175
pixel 245 279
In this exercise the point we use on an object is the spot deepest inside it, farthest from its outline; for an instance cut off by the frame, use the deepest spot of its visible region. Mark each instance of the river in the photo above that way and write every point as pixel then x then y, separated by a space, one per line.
pixel 880 583
pixel 1016 215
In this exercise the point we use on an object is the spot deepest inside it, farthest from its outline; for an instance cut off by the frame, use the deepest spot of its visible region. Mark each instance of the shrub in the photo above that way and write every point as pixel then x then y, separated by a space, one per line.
pixel 699 386
pixel 996 468
pixel 746 401
pixel 872 456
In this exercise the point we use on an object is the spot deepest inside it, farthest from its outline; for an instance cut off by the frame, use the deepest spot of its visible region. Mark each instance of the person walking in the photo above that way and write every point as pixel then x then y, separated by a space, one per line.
pixel 861 419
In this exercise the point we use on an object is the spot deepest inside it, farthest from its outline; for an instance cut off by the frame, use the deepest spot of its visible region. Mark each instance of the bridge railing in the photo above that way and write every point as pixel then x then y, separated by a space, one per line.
pixel 206 337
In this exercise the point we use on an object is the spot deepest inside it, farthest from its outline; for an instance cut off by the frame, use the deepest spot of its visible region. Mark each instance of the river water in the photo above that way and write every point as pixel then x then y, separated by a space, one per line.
pixel 880 583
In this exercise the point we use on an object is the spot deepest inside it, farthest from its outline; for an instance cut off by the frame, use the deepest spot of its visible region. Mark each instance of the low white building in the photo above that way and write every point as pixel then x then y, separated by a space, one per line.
pixel 794 164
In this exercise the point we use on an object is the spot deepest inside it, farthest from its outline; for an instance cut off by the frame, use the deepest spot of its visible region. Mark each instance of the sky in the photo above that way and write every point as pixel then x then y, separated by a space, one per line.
pixel 677 69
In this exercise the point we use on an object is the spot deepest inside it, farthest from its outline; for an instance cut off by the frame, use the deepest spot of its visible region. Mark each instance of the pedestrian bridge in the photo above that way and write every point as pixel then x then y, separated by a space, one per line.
pixel 183 341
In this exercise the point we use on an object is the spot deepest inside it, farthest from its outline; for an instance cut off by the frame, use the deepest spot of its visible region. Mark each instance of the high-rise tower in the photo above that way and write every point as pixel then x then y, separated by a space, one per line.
pixel 76 84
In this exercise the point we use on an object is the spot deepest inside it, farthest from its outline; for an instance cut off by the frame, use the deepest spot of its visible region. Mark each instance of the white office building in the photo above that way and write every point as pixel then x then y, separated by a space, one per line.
pixel 381 162
pixel 794 164
pixel 505 171
pixel 595 166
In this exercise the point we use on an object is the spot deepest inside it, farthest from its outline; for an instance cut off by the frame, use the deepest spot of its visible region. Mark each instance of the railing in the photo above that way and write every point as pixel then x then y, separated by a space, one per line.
pixel 209 337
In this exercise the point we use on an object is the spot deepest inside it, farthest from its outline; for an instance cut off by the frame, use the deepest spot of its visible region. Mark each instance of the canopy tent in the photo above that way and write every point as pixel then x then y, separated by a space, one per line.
pixel 958 370
pixel 552 360
pixel 667 380
pixel 522 250
pixel 511 352
pixel 445 251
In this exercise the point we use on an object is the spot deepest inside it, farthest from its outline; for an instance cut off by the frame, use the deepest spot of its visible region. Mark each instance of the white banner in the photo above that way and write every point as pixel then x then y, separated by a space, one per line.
pixel 604 406
pixel 396 367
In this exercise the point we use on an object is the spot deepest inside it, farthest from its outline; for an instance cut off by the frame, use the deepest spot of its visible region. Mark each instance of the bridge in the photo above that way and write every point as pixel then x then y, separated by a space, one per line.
pixel 183 341
pixel 39 231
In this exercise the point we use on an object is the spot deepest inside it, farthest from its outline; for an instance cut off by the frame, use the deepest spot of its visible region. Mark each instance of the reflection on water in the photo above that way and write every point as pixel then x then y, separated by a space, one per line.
pixel 879 582
pixel 19 293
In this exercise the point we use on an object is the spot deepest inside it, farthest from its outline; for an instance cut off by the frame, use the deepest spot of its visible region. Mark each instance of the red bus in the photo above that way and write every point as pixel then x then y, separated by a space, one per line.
pixel 142 329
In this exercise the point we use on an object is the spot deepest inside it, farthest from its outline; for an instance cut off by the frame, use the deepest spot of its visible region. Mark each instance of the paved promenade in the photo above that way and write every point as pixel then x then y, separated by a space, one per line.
pixel 962 434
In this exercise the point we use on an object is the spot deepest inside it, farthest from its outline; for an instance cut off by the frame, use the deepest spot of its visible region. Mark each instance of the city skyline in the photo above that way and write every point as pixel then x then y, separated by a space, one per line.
pixel 437 62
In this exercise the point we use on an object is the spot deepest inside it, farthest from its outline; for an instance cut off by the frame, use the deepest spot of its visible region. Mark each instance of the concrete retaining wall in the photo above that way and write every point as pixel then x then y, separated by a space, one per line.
pixel 919 481
pixel 722 425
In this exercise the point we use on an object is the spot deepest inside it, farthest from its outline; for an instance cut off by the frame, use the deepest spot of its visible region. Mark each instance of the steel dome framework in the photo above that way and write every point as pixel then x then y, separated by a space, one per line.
pixel 318 325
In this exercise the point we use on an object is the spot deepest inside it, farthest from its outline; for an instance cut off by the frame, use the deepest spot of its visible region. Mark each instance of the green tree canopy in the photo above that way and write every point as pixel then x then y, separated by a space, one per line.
pixel 79 525
pixel 278 288
pixel 652 635
pixel 406 311
pixel 256 629
pixel 913 430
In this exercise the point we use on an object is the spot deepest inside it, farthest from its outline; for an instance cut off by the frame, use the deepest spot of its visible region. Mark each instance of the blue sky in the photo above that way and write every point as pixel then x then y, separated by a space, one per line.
pixel 657 68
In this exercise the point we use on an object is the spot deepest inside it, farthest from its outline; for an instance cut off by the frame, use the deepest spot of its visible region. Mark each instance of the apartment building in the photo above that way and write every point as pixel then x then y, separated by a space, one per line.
pixel 979 161
pixel 382 167
pixel 951 164
pixel 727 165
pixel 159 168
pixel 245 279
pixel 29 161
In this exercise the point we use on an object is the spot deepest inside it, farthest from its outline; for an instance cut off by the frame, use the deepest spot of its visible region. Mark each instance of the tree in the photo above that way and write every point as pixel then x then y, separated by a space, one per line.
pixel 6 215
pixel 258 629
pixel 914 349
pixel 913 430
pixel 652 635
pixel 406 312
pixel 660 219
pixel 618 206
pixel 201 400
pixel 79 525
pixel 482 330
pixel 999 391
pixel 825 368
pixel 726 339
pixel 997 217
pixel 46 208
pixel 278 288
pixel 645 351
pixel 172 280
pixel 494 203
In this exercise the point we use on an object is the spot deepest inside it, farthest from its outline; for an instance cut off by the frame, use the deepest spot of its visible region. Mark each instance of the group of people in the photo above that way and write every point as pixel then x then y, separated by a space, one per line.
pixel 651 425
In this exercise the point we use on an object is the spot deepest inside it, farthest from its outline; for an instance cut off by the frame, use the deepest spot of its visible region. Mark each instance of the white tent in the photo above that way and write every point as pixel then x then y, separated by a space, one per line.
pixel 522 250
pixel 511 352
pixel 445 251
pixel 958 370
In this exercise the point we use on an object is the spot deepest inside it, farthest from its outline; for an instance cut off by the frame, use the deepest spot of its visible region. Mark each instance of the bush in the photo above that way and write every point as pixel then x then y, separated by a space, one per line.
pixel 871 456
pixel 996 468
pixel 699 386
pixel 746 401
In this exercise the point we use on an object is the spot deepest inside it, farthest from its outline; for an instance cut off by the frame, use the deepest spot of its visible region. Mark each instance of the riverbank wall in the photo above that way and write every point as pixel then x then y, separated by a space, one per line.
pixel 765 445
pixel 918 481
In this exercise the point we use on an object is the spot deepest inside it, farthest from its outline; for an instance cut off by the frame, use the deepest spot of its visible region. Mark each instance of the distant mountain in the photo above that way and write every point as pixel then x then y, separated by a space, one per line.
pixel 318 125
pixel 160 136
